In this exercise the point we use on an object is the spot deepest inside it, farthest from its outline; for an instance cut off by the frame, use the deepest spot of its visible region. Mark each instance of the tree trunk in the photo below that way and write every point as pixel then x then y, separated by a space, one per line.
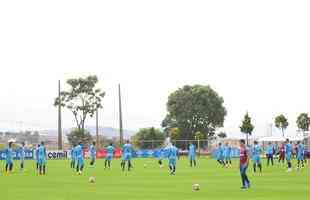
pixel 282 132
pixel 247 139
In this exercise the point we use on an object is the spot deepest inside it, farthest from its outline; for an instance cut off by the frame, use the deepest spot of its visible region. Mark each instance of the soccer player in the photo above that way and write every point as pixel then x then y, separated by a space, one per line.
pixel 300 155
pixel 282 153
pixel 244 163
pixel 269 153
pixel 22 156
pixel 172 157
pixel 227 155
pixel 288 155
pixel 192 154
pixel 109 156
pixel 126 156
pixel 256 151
pixel 9 158
pixel 92 153
pixel 79 158
pixel 73 158
pixel 219 155
pixel 42 159
pixel 37 157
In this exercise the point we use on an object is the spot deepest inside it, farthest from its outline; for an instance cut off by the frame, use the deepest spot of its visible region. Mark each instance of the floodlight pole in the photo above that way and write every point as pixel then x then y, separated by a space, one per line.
pixel 121 134
pixel 97 130
pixel 59 120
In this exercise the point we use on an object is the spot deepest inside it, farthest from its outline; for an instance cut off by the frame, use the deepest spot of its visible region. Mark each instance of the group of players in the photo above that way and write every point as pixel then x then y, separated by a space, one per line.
pixel 286 152
pixel 223 156
pixel 77 158
pixel 40 153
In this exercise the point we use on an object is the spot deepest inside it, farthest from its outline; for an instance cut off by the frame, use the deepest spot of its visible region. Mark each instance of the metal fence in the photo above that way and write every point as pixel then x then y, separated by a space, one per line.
pixel 182 145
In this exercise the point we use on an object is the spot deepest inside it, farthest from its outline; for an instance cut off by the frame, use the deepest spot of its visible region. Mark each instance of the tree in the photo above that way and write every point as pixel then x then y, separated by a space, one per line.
pixel 194 109
pixel 77 135
pixel 247 127
pixel 303 122
pixel 281 123
pixel 82 99
pixel 174 133
pixel 222 135
pixel 149 134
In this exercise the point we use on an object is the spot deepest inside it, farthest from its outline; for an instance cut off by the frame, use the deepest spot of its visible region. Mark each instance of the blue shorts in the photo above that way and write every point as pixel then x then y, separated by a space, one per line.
pixel 256 159
pixel 109 157
pixel 41 161
pixel 80 162
pixel 219 157
pixel 127 156
pixel 300 157
pixel 9 162
pixel 288 157
pixel 172 161
pixel 191 157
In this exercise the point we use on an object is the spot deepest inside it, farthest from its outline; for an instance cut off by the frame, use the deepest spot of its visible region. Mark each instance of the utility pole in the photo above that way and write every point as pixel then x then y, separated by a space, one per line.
pixel 59 120
pixel 97 130
pixel 121 136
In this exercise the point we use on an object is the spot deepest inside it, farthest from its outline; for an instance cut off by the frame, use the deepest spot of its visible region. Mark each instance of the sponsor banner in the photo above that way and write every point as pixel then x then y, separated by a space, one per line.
pixel 101 153
pixel 17 153
pixel 55 155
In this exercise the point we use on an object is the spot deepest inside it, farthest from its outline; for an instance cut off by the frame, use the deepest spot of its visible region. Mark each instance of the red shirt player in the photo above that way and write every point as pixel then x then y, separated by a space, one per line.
pixel 244 162
pixel 282 153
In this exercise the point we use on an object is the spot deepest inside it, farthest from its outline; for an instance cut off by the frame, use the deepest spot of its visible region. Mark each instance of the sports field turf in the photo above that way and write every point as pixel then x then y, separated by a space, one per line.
pixel 149 183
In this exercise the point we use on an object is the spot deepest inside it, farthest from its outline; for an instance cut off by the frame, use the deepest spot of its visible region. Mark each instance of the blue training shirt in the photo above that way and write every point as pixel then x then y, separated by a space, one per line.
pixel 172 152
pixel 92 151
pixel 41 152
pixel 269 150
pixel 288 148
pixel 192 150
pixel 110 150
pixel 256 151
pixel 78 151
pixel 300 150
pixel 22 153
pixel 9 154
pixel 127 148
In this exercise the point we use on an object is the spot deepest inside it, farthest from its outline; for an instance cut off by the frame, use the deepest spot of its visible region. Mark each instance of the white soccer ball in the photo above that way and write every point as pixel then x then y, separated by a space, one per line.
pixel 92 179
pixel 196 187
pixel 145 165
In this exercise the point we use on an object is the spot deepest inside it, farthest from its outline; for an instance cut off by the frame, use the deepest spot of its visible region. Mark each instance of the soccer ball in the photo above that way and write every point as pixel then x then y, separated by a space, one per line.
pixel 196 187
pixel 145 165
pixel 92 179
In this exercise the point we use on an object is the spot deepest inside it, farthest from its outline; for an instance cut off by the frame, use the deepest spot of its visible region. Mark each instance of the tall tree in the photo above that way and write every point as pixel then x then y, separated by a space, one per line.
pixel 82 99
pixel 303 122
pixel 281 123
pixel 194 109
pixel 148 138
pixel 77 135
pixel 247 127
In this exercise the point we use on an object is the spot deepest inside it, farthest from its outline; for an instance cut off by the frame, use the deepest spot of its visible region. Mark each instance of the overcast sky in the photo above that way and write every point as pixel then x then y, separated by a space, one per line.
pixel 255 54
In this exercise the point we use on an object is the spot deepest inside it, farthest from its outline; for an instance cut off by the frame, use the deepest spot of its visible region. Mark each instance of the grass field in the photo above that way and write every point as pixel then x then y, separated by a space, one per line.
pixel 149 183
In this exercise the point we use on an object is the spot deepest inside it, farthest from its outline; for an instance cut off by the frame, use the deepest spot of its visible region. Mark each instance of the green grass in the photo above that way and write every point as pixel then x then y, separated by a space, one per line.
pixel 149 183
